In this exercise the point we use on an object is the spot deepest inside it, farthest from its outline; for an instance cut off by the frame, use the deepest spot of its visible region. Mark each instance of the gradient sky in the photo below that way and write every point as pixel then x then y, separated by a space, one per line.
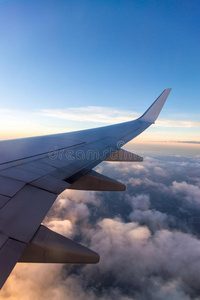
pixel 69 65
pixel 111 57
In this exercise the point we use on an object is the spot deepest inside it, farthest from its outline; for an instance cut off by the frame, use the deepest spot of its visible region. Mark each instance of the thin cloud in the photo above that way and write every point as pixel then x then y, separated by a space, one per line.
pixel 185 142
pixel 7 111
pixel 91 113
pixel 109 115
pixel 177 123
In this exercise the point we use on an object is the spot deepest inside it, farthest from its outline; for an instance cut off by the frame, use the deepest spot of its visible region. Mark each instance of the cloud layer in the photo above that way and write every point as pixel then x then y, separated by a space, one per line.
pixel 147 238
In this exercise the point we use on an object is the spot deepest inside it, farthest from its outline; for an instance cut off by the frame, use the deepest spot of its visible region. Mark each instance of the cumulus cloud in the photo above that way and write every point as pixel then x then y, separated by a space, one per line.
pixel 143 214
pixel 64 227
pixel 139 202
pixel 188 192
pixel 153 218
pixel 66 208
pixel 86 197
pixel 135 258
pixel 134 265
pixel 148 167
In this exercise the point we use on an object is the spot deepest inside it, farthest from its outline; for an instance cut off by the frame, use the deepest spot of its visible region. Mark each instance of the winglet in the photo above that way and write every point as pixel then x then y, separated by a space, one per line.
pixel 153 111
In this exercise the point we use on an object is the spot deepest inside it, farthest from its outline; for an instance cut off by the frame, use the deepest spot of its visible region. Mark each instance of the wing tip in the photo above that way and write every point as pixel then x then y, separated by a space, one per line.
pixel 153 111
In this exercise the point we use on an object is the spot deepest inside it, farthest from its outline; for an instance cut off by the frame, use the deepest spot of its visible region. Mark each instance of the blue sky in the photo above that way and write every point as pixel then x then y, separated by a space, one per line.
pixel 120 55
pixel 68 65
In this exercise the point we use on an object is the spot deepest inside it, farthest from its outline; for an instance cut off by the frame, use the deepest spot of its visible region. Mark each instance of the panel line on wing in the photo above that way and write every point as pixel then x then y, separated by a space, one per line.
pixel 36 155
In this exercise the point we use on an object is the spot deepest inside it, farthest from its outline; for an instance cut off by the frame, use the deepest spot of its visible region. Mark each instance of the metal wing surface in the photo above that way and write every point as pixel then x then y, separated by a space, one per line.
pixel 34 171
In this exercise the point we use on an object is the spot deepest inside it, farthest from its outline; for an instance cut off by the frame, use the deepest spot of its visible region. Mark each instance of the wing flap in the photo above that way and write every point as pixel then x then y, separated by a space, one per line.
pixel 19 174
pixel 38 167
pixel 9 255
pixel 51 184
pixel 22 215
pixel 9 187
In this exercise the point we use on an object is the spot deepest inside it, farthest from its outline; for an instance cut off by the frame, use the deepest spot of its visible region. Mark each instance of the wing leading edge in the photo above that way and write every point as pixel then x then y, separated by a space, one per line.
pixel 33 171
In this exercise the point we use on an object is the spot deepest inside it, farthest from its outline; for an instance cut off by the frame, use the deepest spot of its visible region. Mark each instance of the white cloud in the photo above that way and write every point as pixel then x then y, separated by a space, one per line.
pixel 135 256
pixel 136 262
pixel 163 265
pixel 140 201
pixel 142 213
pixel 91 113
pixel 188 192
pixel 109 115
pixel 64 227
pixel 177 123
pixel 67 209
pixel 85 197
pixel 5 111
pixel 153 219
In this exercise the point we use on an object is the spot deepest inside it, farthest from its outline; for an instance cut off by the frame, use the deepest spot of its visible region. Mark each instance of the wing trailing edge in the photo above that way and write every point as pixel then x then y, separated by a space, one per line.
pixel 10 253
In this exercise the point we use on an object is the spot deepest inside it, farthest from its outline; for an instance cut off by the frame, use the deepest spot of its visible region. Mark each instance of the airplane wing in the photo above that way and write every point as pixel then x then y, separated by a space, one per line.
pixel 34 171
